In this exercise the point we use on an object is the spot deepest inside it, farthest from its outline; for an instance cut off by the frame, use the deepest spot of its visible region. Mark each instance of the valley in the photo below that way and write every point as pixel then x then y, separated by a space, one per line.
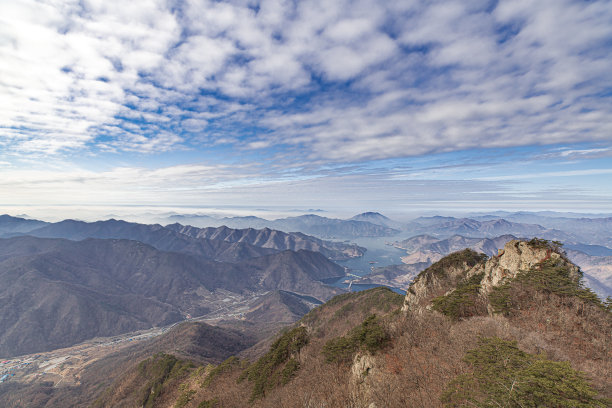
pixel 150 289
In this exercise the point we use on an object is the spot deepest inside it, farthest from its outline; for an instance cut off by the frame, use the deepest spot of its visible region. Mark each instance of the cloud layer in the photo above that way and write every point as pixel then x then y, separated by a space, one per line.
pixel 317 81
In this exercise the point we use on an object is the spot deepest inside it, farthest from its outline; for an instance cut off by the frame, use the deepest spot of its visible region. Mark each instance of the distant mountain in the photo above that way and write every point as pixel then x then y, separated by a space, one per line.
pixel 426 243
pixel 221 243
pixel 267 238
pixel 415 243
pixel 311 224
pixel 58 292
pixel 376 218
pixel 540 214
pixel 204 221
pixel 299 272
pixel 444 227
pixel 15 225
pixel 455 243
pixel 162 238
pixel 597 270
pixel 332 228
pixel 593 250
pixel 589 229
pixel 398 276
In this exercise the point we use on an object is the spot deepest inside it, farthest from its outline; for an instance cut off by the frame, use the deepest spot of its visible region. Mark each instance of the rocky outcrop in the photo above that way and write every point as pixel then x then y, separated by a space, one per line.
pixel 517 256
pixel 364 368
pixel 432 285
pixel 440 277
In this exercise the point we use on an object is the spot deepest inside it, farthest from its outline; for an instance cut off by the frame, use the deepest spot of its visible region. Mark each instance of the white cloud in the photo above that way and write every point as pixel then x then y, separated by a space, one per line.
pixel 328 81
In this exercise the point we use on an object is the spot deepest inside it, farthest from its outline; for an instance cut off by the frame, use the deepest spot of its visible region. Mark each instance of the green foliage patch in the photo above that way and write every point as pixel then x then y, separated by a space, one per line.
pixel 457 259
pixel 225 366
pixel 554 246
pixel 369 335
pixel 279 365
pixel 184 398
pixel 463 301
pixel 502 375
pixel 213 403
pixel 159 370
pixel 381 298
pixel 550 276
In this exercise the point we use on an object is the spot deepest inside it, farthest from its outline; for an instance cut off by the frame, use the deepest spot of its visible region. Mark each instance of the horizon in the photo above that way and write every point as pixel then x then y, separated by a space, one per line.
pixel 255 108
pixel 151 216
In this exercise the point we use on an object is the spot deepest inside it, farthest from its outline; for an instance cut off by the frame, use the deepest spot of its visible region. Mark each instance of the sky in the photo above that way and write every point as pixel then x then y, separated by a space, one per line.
pixel 281 107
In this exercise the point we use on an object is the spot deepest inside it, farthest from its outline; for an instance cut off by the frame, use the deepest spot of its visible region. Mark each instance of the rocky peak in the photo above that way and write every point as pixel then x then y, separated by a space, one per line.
pixel 518 256
pixel 442 277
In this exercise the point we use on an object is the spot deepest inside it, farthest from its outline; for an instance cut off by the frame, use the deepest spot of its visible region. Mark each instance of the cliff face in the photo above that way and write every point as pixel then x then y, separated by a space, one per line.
pixel 516 256
pixel 432 284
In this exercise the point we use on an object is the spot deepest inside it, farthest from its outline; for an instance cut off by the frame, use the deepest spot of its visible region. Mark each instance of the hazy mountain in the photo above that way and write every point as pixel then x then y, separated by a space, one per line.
pixel 589 229
pixel 593 250
pixel 311 224
pixel 376 218
pixel 597 268
pixel 15 225
pixel 205 221
pixel 191 219
pixel 58 292
pixel 267 238
pixel 427 243
pixel 448 226
pixel 332 227
pixel 547 214
pixel 415 243
pixel 398 276
pixel 162 238
pixel 299 272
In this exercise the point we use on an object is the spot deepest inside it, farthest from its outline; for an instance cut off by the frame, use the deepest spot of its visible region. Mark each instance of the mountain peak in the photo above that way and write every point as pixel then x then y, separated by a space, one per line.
pixel 368 216
pixel 468 268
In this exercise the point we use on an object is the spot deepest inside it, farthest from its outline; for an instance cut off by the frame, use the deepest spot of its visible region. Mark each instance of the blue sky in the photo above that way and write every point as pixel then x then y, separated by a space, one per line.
pixel 398 107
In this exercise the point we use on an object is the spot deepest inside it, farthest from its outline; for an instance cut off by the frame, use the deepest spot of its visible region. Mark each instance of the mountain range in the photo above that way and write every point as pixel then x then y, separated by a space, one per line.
pixel 323 227
pixel 70 281
pixel 570 228
pixel 267 238
pixel 518 329
pixel 444 227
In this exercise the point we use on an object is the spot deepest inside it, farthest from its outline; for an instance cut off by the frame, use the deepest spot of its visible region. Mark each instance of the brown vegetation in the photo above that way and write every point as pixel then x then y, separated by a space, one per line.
pixel 359 349
pixel 422 351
